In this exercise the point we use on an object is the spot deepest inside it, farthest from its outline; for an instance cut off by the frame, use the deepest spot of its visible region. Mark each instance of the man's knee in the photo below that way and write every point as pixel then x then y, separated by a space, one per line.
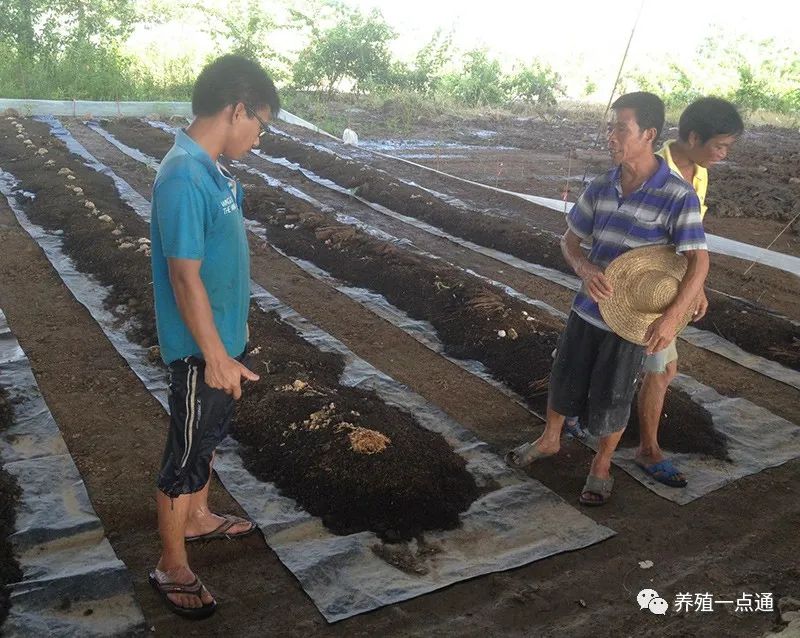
pixel 664 378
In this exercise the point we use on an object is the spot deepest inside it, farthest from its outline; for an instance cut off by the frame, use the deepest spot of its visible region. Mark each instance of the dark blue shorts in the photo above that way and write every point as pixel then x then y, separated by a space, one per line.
pixel 200 418
pixel 594 376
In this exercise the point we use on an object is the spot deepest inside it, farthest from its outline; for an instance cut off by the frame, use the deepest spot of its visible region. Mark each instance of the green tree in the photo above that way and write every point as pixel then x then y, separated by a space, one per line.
pixel 536 82
pixel 355 49
pixel 480 83
pixel 244 27
pixel 47 28
pixel 426 73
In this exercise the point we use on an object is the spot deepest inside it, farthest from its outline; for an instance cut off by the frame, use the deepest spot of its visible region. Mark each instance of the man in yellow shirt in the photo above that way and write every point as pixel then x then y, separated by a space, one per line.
pixel 707 130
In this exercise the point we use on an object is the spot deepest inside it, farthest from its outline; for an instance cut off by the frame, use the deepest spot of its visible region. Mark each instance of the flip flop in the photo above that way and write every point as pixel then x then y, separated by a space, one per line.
pixel 524 455
pixel 663 472
pixel 598 487
pixel 222 530
pixel 195 588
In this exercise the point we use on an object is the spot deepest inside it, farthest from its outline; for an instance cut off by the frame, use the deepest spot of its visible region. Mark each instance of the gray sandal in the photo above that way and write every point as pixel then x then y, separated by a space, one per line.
pixel 223 530
pixel 524 455
pixel 598 487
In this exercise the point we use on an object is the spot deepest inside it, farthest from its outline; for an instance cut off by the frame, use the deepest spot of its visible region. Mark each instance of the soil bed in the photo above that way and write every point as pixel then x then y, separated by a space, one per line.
pixel 752 328
pixel 466 313
pixel 360 465
pixel 513 340
pixel 9 496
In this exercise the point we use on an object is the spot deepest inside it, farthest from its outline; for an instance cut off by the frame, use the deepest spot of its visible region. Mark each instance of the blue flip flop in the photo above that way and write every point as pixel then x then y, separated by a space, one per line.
pixel 572 427
pixel 663 472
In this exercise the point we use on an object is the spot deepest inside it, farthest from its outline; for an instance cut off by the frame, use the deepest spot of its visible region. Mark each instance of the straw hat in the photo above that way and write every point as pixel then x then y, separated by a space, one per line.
pixel 645 282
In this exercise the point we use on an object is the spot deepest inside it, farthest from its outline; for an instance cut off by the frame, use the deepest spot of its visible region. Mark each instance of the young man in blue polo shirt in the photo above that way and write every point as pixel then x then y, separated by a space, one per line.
pixel 638 203
pixel 201 287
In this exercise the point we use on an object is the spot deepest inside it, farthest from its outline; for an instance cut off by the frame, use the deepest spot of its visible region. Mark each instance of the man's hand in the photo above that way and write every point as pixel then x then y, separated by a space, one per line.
pixel 701 307
pixel 596 283
pixel 226 374
pixel 661 332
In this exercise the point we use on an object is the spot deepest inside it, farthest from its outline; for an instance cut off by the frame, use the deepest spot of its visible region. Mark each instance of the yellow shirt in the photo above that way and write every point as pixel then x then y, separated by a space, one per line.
pixel 699 181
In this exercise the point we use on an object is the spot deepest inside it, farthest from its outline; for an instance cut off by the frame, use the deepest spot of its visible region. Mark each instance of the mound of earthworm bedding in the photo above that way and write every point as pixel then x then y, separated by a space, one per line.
pixel 474 321
pixel 341 452
pixel 139 134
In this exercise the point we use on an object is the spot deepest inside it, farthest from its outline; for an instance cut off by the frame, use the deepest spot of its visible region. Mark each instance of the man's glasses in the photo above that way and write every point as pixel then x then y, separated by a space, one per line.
pixel 264 130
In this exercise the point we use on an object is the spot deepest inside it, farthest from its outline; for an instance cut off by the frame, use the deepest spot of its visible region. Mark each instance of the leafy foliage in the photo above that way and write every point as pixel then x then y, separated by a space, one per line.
pixel 354 50
pixel 480 83
pixel 536 82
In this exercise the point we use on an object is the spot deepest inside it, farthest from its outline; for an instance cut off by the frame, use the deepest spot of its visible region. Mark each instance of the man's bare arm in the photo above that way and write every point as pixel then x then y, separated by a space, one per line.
pixel 593 278
pixel 664 329
pixel 222 371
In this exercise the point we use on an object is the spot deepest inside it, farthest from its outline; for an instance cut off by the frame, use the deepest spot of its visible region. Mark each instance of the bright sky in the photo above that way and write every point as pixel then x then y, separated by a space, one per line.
pixel 587 33
pixel 580 38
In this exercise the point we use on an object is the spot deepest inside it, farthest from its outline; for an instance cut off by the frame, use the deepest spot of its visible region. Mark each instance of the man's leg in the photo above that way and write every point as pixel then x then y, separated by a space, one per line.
pixel 550 440
pixel 201 520
pixel 601 464
pixel 176 477
pixel 660 369
pixel 650 406
pixel 569 380
pixel 173 565
pixel 613 383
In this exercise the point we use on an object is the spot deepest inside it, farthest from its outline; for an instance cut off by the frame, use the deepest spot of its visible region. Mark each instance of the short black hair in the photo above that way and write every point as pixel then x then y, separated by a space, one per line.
pixel 648 107
pixel 708 117
pixel 231 79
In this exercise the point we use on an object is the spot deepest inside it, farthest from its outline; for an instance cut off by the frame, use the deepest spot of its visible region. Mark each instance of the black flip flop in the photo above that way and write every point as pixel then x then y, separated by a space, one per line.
pixel 195 588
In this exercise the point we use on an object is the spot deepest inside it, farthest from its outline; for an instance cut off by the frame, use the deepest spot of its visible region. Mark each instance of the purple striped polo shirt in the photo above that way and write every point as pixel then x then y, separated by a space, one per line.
pixel 663 210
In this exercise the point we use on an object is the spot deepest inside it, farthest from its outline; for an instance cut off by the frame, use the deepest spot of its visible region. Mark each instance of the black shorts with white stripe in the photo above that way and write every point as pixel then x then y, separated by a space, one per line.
pixel 200 418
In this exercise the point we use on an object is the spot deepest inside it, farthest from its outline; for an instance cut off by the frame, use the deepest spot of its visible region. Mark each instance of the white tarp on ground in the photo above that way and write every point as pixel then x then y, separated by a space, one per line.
pixel 751 448
pixel 72 584
pixel 517 522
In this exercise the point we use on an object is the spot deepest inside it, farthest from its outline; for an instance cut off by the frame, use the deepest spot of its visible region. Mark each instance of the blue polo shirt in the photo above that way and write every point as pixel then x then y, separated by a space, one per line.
pixel 663 210
pixel 197 214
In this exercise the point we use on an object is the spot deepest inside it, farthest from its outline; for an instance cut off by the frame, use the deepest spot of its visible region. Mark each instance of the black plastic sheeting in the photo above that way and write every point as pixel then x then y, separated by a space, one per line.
pixel 73 583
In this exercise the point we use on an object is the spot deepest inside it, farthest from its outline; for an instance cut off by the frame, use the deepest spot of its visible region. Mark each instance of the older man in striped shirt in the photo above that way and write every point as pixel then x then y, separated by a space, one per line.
pixel 638 203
